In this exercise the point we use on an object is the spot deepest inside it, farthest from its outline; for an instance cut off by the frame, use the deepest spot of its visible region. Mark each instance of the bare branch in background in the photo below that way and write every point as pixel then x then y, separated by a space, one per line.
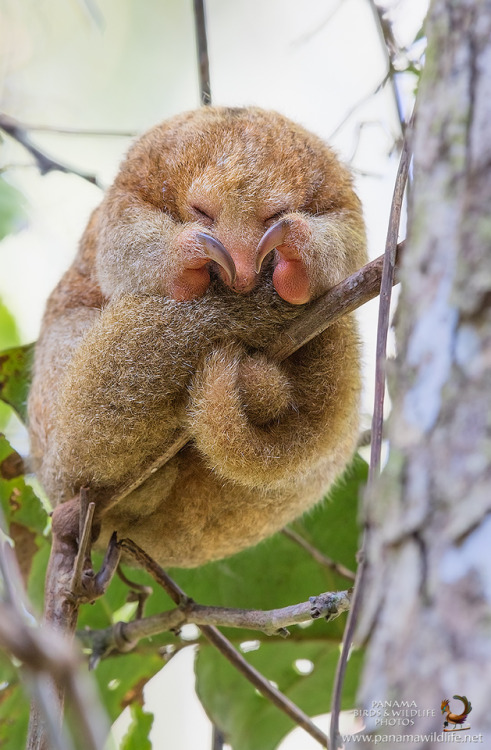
pixel 359 104
pixel 391 50
pixel 398 59
pixel 92 10
pixel 310 34
pixel 318 556
pixel 388 278
pixel 83 132
pixel 44 163
pixel 388 275
pixel 202 52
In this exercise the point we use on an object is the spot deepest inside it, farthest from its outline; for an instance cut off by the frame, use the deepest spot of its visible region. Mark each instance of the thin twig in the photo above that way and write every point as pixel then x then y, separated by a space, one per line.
pixel 388 275
pixel 217 739
pixel 93 12
pixel 44 162
pixel 202 52
pixel 138 592
pixel 225 647
pixel 262 684
pixel 317 555
pixel 82 132
pixel 322 25
pixel 357 105
pixel 390 48
pixel 85 525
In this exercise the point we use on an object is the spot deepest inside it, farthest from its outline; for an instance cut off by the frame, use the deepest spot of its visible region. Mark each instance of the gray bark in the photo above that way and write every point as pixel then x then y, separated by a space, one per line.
pixel 427 603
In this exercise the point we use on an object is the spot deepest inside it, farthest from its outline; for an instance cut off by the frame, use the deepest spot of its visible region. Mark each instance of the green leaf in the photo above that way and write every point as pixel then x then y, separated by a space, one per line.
pixel 25 520
pixel 121 680
pixel 37 574
pixel 15 377
pixel 18 500
pixel 14 707
pixel 247 719
pixel 137 736
pixel 12 212
pixel 9 337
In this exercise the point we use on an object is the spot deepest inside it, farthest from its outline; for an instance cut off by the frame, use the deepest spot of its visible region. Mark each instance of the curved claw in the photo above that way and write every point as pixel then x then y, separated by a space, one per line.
pixel 215 251
pixel 272 238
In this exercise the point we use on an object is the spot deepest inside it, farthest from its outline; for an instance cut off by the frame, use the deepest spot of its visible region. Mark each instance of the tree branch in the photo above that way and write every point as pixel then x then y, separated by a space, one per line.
pixel 84 132
pixel 391 50
pixel 125 635
pixel 44 163
pixel 387 282
pixel 317 555
pixel 357 105
pixel 202 52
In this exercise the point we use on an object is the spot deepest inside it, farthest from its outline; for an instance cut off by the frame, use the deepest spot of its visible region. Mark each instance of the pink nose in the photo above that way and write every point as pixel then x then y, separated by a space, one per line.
pixel 246 276
pixel 245 280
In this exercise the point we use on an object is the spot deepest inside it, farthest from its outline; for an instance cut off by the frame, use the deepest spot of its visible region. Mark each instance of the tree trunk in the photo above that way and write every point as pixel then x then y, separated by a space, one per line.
pixel 427 602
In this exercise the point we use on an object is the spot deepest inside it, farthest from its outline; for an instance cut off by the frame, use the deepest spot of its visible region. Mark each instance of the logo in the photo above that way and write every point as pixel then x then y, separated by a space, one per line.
pixel 451 718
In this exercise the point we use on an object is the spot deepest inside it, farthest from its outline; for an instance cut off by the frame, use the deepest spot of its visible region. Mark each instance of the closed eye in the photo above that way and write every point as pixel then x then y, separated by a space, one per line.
pixel 275 217
pixel 202 216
